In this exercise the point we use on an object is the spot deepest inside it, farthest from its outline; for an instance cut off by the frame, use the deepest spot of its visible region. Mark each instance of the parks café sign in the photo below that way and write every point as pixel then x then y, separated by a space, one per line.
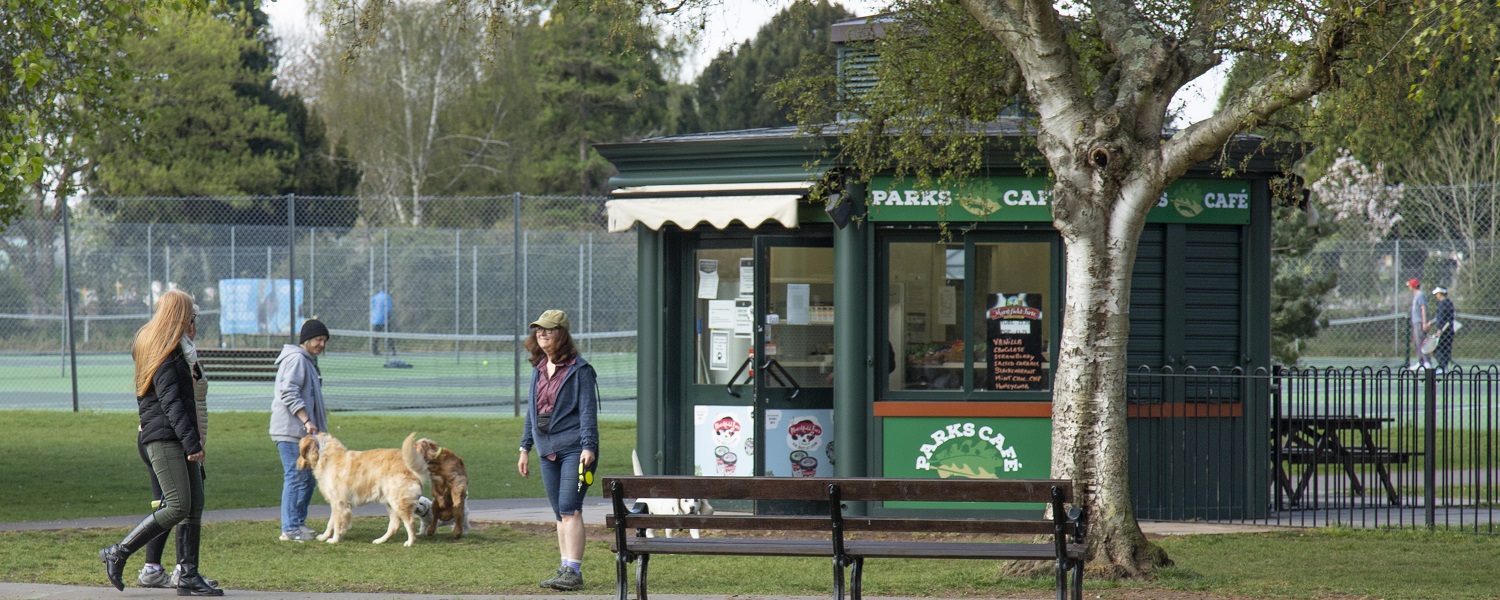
pixel 1001 199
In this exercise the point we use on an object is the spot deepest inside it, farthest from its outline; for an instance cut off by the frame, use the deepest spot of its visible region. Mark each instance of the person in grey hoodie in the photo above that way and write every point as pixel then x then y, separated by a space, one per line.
pixel 297 411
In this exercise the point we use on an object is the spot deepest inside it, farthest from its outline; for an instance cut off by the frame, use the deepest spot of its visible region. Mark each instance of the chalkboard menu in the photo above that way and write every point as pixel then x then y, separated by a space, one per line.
pixel 1014 324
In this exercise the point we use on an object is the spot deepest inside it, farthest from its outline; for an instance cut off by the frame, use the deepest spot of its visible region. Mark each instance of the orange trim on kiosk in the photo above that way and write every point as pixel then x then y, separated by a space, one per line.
pixel 1044 410
pixel 963 409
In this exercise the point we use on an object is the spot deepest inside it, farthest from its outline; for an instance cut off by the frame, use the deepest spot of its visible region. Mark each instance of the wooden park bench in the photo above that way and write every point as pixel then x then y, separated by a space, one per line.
pixel 221 364
pixel 1066 527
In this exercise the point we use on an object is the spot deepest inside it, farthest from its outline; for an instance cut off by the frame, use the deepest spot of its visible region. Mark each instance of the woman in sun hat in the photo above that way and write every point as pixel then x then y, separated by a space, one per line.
pixel 562 422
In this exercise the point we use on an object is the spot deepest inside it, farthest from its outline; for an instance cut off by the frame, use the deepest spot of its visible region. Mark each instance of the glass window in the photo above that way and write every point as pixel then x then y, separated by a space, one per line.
pixel 1011 321
pixel 979 311
pixel 925 336
pixel 723 312
pixel 799 318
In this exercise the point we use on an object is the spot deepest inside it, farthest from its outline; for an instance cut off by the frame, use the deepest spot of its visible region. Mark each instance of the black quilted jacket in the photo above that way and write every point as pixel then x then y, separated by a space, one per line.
pixel 167 410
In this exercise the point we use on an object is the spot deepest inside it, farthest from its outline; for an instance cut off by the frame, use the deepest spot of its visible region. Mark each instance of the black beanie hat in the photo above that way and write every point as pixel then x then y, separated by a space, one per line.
pixel 310 329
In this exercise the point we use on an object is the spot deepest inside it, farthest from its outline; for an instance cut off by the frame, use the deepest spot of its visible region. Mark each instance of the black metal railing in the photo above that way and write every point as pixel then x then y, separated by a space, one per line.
pixel 1317 446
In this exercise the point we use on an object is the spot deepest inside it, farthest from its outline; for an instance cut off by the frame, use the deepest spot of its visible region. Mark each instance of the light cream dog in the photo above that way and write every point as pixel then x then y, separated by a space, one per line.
pixel 350 478
pixel 671 506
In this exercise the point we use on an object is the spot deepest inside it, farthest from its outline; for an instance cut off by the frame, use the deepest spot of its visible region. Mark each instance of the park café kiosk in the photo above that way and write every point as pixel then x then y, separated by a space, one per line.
pixel 775 342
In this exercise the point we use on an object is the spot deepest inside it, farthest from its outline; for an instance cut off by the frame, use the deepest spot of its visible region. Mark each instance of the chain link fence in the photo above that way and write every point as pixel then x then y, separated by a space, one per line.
pixel 464 277
pixel 1367 313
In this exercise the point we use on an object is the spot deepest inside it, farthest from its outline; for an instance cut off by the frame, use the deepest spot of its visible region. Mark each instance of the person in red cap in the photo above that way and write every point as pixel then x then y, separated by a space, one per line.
pixel 1418 324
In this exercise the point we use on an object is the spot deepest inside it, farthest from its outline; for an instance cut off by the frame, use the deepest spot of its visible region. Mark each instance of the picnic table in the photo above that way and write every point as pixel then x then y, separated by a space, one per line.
pixel 1316 440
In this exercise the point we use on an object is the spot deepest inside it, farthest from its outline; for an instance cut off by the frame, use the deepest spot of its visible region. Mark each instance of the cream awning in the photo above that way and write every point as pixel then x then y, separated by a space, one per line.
pixel 686 206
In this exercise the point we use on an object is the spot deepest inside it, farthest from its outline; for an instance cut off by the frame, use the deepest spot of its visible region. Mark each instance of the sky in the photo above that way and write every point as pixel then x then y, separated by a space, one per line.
pixel 735 21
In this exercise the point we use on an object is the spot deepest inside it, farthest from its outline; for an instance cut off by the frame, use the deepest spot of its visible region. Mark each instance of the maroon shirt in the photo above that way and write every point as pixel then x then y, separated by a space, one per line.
pixel 547 387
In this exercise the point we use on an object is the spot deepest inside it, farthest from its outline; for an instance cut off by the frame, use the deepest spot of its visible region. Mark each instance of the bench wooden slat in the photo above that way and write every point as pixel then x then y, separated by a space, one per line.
pixel 853 524
pixel 850 488
pixel 728 546
pixel 748 523
pixel 970 550
pixel 236 364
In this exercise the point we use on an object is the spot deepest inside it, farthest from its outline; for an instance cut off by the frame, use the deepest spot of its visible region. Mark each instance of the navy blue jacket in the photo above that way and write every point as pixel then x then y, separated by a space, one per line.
pixel 575 416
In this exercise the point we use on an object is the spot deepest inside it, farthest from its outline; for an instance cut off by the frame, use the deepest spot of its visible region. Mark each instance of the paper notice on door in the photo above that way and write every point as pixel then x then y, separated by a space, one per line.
pixel 721 315
pixel 747 277
pixel 708 278
pixel 718 350
pixel 797 295
pixel 947 312
pixel 744 318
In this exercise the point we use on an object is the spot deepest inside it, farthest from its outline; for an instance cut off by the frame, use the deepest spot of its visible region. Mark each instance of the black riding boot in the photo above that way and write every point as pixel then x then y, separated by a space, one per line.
pixel 190 582
pixel 115 555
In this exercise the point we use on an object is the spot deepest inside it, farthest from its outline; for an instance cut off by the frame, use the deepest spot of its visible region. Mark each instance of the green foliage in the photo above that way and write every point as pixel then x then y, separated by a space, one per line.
pixel 1297 290
pixel 598 70
pixel 734 90
pixel 58 56
pixel 192 132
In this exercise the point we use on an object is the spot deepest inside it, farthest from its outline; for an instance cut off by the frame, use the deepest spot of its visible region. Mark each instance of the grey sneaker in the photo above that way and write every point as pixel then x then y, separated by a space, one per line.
pixel 568 580
pixel 294 535
pixel 555 576
pixel 177 579
pixel 153 578
pixel 307 531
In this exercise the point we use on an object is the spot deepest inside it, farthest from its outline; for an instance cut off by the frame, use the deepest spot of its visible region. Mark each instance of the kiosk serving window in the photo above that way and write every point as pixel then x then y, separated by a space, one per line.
pixel 971 316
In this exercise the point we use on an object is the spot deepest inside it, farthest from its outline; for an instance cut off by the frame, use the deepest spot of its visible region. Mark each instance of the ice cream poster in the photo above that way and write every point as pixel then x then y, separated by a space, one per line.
pixel 799 443
pixel 1014 325
pixel 723 441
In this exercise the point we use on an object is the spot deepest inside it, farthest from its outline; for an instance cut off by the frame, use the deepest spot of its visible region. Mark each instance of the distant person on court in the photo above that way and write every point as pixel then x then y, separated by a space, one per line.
pixel 562 422
pixel 1419 323
pixel 152 575
pixel 297 411
pixel 380 320
pixel 169 431
pixel 1442 325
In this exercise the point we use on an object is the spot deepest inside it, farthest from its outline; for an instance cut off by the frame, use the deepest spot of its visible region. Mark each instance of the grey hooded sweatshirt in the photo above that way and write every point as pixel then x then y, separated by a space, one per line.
pixel 298 385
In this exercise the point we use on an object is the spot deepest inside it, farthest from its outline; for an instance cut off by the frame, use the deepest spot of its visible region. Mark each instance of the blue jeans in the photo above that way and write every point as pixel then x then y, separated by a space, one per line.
pixel 296 488
pixel 560 478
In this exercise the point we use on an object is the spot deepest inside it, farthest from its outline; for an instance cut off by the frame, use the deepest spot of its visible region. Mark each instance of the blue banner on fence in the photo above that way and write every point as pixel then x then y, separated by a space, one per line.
pixel 257 306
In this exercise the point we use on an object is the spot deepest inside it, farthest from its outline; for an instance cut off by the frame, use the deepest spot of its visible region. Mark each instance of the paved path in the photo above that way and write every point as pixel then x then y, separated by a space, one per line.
pixel 515 510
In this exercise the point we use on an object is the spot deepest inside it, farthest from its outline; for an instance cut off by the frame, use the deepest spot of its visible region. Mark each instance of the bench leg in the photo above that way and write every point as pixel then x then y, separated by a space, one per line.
pixel 838 578
pixel 1078 580
pixel 856 579
pixel 640 576
pixel 1390 488
pixel 622 584
pixel 1062 579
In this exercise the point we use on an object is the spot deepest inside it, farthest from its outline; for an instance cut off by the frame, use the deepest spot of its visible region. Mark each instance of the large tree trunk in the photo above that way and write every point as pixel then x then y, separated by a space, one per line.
pixel 1090 439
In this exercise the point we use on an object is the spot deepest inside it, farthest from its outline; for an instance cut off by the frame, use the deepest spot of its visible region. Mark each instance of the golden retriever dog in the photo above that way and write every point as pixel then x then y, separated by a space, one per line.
pixel 350 478
pixel 450 488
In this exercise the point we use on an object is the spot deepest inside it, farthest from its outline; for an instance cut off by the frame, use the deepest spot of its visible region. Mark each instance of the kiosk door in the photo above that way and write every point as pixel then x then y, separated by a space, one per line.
pixel 760 399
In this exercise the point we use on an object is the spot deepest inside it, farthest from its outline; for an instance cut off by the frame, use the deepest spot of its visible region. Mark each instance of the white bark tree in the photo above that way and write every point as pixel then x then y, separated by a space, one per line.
pixel 389 105
pixel 1455 189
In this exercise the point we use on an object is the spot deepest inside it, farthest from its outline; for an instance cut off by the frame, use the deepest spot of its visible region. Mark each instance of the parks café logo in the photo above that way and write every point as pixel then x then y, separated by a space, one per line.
pixel 969 452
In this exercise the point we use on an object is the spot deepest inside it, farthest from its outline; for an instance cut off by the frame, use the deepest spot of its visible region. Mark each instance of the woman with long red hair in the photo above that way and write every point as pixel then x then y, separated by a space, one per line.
pixel 169 432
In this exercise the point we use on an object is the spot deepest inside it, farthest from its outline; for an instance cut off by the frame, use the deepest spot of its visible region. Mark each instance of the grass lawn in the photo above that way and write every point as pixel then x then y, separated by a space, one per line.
pixel 73 465
pixel 66 465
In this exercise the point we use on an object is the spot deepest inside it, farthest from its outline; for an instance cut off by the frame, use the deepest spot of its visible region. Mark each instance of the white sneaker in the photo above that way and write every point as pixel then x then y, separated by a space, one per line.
pixel 294 535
